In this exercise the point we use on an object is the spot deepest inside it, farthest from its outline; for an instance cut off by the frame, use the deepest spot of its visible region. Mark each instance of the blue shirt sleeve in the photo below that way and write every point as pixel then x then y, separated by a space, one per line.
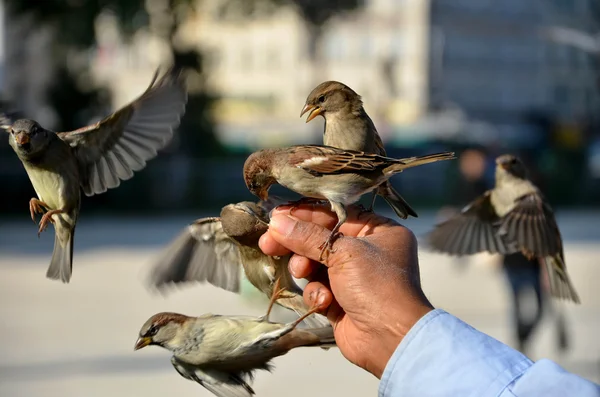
pixel 443 356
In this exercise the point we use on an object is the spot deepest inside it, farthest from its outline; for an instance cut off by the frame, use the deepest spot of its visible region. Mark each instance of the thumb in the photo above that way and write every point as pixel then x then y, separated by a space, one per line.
pixel 303 238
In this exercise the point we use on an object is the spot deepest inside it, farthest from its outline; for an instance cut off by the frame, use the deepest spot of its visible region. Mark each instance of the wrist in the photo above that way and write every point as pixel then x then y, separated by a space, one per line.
pixel 396 325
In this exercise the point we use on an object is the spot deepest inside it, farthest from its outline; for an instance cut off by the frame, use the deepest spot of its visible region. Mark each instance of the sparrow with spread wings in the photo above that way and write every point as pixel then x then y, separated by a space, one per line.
pixel 512 217
pixel 93 158
pixel 217 249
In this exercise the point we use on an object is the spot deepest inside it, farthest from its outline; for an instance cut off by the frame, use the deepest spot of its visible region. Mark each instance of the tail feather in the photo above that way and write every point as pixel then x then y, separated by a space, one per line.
pixel 402 164
pixel 560 283
pixel 325 336
pixel 61 264
pixel 394 200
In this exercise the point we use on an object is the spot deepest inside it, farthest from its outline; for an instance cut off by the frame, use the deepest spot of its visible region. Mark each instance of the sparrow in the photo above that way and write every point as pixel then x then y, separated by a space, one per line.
pixel 93 159
pixel 326 173
pixel 218 249
pixel 349 127
pixel 222 352
pixel 512 217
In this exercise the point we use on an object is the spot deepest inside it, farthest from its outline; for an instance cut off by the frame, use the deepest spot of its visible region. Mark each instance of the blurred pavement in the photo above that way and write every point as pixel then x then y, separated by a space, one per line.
pixel 77 340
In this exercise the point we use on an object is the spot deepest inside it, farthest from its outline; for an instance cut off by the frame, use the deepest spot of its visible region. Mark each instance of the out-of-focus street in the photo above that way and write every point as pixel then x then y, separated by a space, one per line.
pixel 77 339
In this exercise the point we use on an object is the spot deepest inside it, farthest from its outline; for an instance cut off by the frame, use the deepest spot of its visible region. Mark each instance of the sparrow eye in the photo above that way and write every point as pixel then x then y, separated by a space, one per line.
pixel 321 99
pixel 152 331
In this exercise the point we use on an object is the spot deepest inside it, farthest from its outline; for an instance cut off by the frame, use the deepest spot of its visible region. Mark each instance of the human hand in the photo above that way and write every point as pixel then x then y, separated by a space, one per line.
pixel 373 275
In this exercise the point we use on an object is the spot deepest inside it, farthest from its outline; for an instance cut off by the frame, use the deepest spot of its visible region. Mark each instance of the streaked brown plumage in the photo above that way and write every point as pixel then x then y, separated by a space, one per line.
pixel 324 172
pixel 222 352
pixel 94 158
pixel 512 217
pixel 216 250
pixel 349 127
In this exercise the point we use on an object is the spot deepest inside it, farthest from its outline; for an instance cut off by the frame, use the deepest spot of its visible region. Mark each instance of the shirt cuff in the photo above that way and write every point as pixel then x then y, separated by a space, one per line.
pixel 443 356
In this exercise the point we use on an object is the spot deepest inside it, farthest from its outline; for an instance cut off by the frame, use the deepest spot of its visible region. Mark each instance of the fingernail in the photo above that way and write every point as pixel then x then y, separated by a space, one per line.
pixel 282 224
pixel 320 299
pixel 294 265
pixel 312 295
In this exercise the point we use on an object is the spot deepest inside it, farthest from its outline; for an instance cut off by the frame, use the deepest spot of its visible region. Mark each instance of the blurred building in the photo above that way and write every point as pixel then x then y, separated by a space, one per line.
pixel 490 59
pixel 24 73
pixel 261 69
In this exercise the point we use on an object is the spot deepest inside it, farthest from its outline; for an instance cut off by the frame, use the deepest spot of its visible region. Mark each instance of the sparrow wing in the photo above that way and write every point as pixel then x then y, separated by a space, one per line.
pixel 202 252
pixel 8 115
pixel 473 230
pixel 321 160
pixel 221 384
pixel 112 149
pixel 532 225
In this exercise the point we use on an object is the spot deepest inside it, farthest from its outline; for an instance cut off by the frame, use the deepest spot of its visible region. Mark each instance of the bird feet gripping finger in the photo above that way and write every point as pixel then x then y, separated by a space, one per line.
pixel 36 207
pixel 316 307
pixel 47 218
pixel 304 200
pixel 327 246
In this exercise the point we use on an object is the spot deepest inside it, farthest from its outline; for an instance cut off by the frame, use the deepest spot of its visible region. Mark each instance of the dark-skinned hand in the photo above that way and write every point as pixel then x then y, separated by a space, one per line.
pixel 369 287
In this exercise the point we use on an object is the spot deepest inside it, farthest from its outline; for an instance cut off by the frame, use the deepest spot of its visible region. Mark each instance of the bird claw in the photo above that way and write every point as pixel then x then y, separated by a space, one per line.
pixel 36 207
pixel 47 218
pixel 362 208
pixel 327 246
pixel 277 292
pixel 304 200
pixel 314 309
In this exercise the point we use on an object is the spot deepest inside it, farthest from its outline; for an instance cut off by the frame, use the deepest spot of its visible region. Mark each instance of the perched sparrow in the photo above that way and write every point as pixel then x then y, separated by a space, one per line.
pixel 222 352
pixel 512 217
pixel 324 172
pixel 217 249
pixel 94 158
pixel 349 127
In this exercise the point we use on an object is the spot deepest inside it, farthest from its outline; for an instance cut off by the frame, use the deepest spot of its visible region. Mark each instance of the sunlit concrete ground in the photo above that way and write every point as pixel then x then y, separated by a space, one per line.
pixel 77 339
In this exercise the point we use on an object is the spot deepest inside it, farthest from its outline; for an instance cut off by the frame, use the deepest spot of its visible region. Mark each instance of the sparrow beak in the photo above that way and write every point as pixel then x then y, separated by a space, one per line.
pixel 251 212
pixel 263 194
pixel 315 111
pixel 22 138
pixel 142 341
pixel 503 164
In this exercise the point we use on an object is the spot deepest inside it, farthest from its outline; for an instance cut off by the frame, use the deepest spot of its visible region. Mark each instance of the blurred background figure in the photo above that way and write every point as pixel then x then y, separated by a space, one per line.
pixel 473 76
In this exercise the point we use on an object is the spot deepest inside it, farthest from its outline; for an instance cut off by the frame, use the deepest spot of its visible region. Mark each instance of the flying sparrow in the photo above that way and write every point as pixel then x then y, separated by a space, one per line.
pixel 93 158
pixel 217 249
pixel 324 172
pixel 222 352
pixel 349 127
pixel 512 217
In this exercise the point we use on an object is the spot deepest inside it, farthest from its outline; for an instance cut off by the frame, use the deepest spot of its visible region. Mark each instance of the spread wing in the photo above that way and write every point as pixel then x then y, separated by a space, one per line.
pixel 112 149
pixel 221 384
pixel 202 252
pixel 532 226
pixel 321 160
pixel 8 115
pixel 473 230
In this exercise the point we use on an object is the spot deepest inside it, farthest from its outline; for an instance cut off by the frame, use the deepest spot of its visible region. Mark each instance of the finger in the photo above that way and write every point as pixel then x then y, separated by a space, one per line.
pixel 357 221
pixel 317 293
pixel 270 246
pixel 300 237
pixel 302 267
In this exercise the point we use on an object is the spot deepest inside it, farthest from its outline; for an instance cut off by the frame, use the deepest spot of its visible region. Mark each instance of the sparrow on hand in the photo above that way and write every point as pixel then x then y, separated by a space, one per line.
pixel 326 173
pixel 349 127
pixel 93 158
pixel 222 352
pixel 512 217
pixel 216 250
